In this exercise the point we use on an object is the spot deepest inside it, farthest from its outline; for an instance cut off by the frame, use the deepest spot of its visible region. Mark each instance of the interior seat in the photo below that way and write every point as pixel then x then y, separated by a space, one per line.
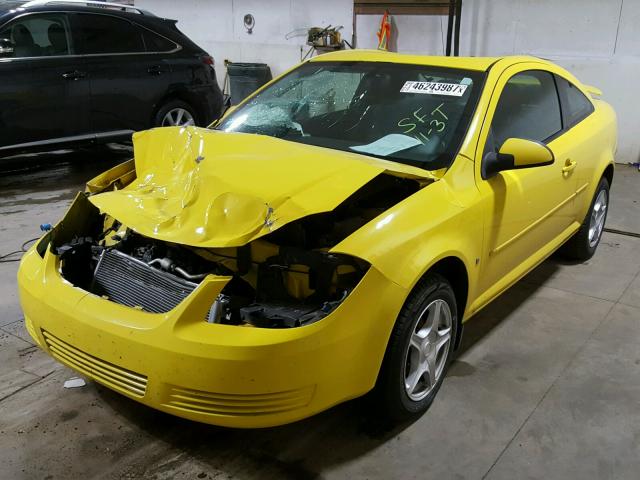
pixel 58 40
pixel 24 45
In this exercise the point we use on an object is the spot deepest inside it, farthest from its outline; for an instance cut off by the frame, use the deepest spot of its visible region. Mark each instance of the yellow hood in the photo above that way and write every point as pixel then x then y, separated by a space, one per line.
pixel 210 189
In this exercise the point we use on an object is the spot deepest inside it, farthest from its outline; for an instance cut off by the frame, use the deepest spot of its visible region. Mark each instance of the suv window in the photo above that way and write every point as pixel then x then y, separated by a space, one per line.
pixel 156 43
pixel 575 105
pixel 39 35
pixel 528 108
pixel 107 34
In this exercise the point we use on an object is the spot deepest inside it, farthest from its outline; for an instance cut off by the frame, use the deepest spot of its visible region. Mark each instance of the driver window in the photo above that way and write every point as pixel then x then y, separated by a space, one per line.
pixel 528 108
pixel 35 36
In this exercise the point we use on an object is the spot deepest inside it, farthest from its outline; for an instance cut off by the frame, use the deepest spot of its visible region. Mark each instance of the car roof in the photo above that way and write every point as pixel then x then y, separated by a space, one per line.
pixel 466 63
pixel 10 8
pixel 10 5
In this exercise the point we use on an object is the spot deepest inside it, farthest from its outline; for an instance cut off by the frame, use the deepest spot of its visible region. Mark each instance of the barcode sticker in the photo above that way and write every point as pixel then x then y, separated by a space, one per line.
pixel 434 88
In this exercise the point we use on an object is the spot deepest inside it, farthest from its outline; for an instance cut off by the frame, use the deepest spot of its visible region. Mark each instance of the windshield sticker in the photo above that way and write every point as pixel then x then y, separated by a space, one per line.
pixel 389 144
pixel 434 88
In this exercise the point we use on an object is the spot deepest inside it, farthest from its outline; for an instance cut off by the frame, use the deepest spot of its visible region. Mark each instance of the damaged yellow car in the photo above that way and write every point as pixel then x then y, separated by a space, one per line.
pixel 326 238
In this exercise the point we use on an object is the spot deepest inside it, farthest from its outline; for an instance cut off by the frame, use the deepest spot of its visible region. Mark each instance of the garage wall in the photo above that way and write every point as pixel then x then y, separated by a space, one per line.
pixel 593 38
pixel 218 27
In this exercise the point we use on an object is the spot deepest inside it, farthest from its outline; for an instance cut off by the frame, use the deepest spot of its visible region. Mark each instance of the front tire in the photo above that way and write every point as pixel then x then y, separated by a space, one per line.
pixel 419 350
pixel 585 241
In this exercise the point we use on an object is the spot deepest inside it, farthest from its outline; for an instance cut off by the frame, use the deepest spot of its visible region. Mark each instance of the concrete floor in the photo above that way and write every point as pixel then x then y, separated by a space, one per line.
pixel 547 383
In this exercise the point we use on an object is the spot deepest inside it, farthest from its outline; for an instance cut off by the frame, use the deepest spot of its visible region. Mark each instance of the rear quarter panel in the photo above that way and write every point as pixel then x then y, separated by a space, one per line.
pixel 596 143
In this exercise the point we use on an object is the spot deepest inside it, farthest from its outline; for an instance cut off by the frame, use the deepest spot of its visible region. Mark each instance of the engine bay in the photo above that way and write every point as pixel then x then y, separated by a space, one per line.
pixel 285 279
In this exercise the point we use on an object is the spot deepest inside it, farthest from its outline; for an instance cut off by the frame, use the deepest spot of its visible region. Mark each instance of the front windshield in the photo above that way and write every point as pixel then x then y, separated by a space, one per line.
pixel 406 113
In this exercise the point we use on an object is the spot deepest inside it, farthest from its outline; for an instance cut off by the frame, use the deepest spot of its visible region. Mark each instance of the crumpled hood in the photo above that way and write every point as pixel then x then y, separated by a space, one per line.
pixel 208 189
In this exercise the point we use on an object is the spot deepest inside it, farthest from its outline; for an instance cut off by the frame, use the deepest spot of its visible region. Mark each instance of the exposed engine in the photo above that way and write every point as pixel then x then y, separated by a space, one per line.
pixel 282 280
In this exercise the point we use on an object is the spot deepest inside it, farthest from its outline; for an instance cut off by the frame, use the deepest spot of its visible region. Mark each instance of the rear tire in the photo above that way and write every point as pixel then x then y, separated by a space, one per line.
pixel 419 351
pixel 176 113
pixel 585 241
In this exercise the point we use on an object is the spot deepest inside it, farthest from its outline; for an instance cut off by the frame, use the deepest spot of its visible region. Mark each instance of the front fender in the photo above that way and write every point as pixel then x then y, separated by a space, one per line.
pixel 406 240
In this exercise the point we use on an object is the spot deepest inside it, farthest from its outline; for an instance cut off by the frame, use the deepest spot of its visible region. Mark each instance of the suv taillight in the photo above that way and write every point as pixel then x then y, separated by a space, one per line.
pixel 207 60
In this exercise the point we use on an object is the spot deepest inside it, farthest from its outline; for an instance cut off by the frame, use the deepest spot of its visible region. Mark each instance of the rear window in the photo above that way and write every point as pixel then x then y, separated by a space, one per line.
pixel 157 43
pixel 105 34
pixel 575 105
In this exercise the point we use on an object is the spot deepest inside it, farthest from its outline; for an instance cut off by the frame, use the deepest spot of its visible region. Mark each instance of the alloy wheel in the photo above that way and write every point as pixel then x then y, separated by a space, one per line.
pixel 178 117
pixel 427 351
pixel 598 215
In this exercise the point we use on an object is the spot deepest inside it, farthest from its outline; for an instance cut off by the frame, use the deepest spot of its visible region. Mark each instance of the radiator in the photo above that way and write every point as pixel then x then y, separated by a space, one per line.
pixel 131 282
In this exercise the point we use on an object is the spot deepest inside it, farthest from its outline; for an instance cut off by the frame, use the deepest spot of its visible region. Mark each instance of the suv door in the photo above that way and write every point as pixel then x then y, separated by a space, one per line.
pixel 531 209
pixel 43 92
pixel 126 81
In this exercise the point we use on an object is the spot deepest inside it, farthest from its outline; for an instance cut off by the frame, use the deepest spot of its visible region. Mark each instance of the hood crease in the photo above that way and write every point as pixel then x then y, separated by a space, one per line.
pixel 210 189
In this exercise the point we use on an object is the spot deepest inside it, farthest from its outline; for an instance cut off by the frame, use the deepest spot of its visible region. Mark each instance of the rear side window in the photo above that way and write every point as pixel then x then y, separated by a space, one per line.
pixel 575 105
pixel 41 35
pixel 156 43
pixel 528 108
pixel 105 34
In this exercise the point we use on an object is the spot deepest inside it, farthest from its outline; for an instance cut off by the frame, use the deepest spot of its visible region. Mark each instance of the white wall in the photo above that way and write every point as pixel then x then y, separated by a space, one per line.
pixel 597 40
pixel 218 27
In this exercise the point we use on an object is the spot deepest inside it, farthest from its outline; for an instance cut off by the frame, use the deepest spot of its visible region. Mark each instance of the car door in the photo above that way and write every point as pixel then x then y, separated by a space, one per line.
pixel 578 125
pixel 43 89
pixel 126 81
pixel 528 208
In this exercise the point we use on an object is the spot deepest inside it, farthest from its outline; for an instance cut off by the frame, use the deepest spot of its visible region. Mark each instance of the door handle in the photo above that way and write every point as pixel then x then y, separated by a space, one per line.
pixel 569 165
pixel 155 70
pixel 74 75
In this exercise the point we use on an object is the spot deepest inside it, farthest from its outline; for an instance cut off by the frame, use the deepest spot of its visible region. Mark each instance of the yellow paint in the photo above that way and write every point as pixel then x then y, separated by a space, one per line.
pixel 526 153
pixel 214 190
pixel 114 178
pixel 594 91
pixel 207 188
pixel 468 63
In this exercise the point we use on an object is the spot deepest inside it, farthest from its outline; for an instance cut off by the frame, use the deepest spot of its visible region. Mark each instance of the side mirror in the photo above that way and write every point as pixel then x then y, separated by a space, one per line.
pixel 516 153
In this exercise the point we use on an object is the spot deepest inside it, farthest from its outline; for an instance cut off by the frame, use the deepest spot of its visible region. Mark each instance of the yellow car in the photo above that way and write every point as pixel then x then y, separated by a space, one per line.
pixel 326 238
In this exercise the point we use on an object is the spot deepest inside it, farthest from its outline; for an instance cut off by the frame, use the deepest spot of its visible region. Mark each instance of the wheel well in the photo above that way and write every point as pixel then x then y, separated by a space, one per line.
pixel 608 173
pixel 454 270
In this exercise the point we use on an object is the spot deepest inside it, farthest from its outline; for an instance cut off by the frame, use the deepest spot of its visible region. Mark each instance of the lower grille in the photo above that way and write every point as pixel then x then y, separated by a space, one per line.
pixel 131 282
pixel 197 401
pixel 115 377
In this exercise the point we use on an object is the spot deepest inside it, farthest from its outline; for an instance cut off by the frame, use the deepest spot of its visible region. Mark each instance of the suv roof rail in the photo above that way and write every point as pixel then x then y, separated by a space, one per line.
pixel 88 3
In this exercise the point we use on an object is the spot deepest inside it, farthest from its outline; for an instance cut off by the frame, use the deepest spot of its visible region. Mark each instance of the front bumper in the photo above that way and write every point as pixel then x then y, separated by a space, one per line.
pixel 220 374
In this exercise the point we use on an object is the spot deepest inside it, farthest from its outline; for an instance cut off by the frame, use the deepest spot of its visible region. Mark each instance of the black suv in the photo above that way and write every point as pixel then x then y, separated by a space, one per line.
pixel 75 72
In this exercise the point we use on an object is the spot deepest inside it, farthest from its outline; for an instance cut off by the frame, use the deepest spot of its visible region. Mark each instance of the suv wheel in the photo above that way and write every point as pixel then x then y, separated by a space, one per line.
pixel 175 114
